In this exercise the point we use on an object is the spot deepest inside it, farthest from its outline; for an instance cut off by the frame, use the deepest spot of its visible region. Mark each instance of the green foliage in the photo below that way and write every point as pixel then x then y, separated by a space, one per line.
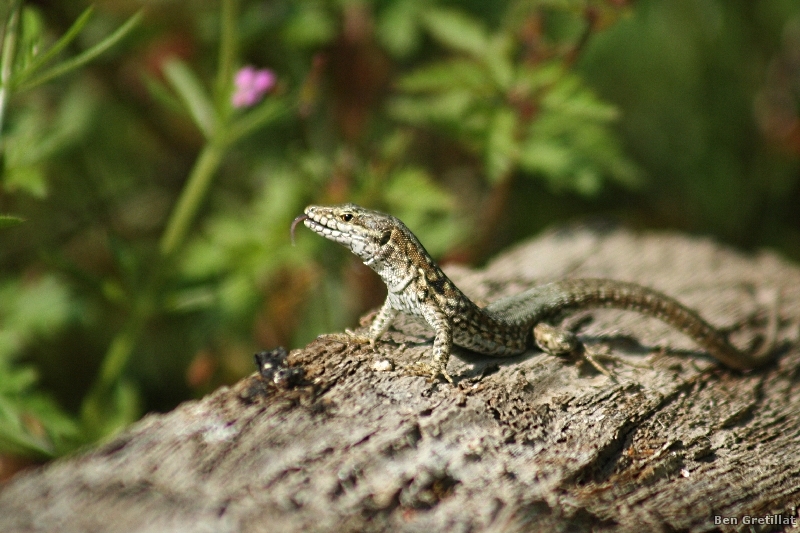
pixel 34 138
pixel 427 210
pixel 27 71
pixel 310 25
pixel 157 212
pixel 30 421
pixel 537 117
pixel 236 252
pixel 399 26
pixel 7 221
pixel 191 93
pixel 699 117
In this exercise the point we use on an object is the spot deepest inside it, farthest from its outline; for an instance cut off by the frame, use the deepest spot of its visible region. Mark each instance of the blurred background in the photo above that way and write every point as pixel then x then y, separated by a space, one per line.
pixel 155 153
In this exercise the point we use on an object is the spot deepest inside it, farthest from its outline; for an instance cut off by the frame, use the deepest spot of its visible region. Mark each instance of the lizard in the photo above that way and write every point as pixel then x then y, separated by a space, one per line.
pixel 510 326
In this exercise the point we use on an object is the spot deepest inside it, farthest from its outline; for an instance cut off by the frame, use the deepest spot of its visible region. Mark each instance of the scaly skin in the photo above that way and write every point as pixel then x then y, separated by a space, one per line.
pixel 418 287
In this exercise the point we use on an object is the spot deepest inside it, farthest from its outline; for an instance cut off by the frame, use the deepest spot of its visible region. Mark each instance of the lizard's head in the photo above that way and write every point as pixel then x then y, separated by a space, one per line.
pixel 370 235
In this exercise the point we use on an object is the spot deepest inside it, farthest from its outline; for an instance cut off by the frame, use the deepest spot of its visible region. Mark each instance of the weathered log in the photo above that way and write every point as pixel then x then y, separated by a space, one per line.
pixel 519 444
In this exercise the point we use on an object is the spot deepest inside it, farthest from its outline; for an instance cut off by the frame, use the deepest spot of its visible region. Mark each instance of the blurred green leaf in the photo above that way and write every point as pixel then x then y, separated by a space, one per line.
pixel 34 59
pixel 498 60
pixel 31 33
pixel 310 26
pixel 31 310
pixel 41 308
pixel 83 58
pixel 398 26
pixel 35 137
pixel 161 93
pixel 260 116
pixel 414 188
pixel 566 139
pixel 575 155
pixel 547 157
pixel 238 249
pixel 31 424
pixel 190 299
pixel 18 381
pixel 7 221
pixel 571 97
pixel 571 144
pixel 424 206
pixel 458 114
pixel 533 80
pixel 457 30
pixel 194 96
pixel 30 179
pixel 451 107
pixel 447 75
pixel 502 145
pixel 11 343
pixel 107 413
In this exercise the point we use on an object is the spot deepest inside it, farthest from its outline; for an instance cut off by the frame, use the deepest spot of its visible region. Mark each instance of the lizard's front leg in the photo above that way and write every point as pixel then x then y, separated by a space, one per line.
pixel 442 345
pixel 379 325
pixel 381 322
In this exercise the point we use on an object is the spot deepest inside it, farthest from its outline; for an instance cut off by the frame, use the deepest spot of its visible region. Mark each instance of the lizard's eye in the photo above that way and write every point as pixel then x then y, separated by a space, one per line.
pixel 385 236
pixel 347 217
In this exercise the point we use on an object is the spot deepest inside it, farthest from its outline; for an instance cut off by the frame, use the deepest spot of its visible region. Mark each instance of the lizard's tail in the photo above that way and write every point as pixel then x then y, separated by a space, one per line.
pixel 554 300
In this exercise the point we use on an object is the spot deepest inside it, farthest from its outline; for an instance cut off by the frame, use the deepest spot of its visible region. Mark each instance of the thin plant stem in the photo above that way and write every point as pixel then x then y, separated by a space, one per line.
pixel 191 197
pixel 116 358
pixel 210 158
pixel 7 60
pixel 180 221
pixel 119 351
pixel 227 53
pixel 124 342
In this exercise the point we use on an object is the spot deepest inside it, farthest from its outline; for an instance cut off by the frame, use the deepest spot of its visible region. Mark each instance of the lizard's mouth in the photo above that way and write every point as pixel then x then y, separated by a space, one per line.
pixel 321 225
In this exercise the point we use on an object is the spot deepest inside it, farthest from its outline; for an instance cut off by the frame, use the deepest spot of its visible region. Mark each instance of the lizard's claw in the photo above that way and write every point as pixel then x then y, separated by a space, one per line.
pixel 350 336
pixel 432 372
pixel 357 337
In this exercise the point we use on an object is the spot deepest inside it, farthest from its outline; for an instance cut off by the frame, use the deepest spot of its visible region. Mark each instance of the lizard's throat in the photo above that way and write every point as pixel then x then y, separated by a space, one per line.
pixel 365 251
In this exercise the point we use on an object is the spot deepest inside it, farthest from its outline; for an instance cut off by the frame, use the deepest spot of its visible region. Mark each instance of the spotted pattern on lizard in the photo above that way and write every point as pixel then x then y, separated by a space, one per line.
pixel 418 287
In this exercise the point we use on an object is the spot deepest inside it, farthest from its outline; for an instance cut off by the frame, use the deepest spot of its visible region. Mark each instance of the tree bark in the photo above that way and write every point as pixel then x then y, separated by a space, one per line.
pixel 528 443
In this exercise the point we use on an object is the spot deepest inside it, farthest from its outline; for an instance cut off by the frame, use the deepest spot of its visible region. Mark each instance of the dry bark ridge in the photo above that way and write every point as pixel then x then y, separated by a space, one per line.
pixel 520 444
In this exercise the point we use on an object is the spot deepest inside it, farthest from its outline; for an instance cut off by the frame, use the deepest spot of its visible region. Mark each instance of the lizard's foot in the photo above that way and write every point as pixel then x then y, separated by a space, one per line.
pixel 555 341
pixel 604 355
pixel 562 342
pixel 348 337
pixel 432 372
pixel 592 357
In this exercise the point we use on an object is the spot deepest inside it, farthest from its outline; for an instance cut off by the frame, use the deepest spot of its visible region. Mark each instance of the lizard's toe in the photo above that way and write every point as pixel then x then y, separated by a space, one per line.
pixel 349 337
pixel 432 372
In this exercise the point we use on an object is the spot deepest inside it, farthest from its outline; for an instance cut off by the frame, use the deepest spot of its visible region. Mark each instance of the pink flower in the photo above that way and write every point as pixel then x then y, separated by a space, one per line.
pixel 251 85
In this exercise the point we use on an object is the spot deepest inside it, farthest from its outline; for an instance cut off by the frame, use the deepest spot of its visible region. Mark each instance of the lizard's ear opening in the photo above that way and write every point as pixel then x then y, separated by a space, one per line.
pixel 385 237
